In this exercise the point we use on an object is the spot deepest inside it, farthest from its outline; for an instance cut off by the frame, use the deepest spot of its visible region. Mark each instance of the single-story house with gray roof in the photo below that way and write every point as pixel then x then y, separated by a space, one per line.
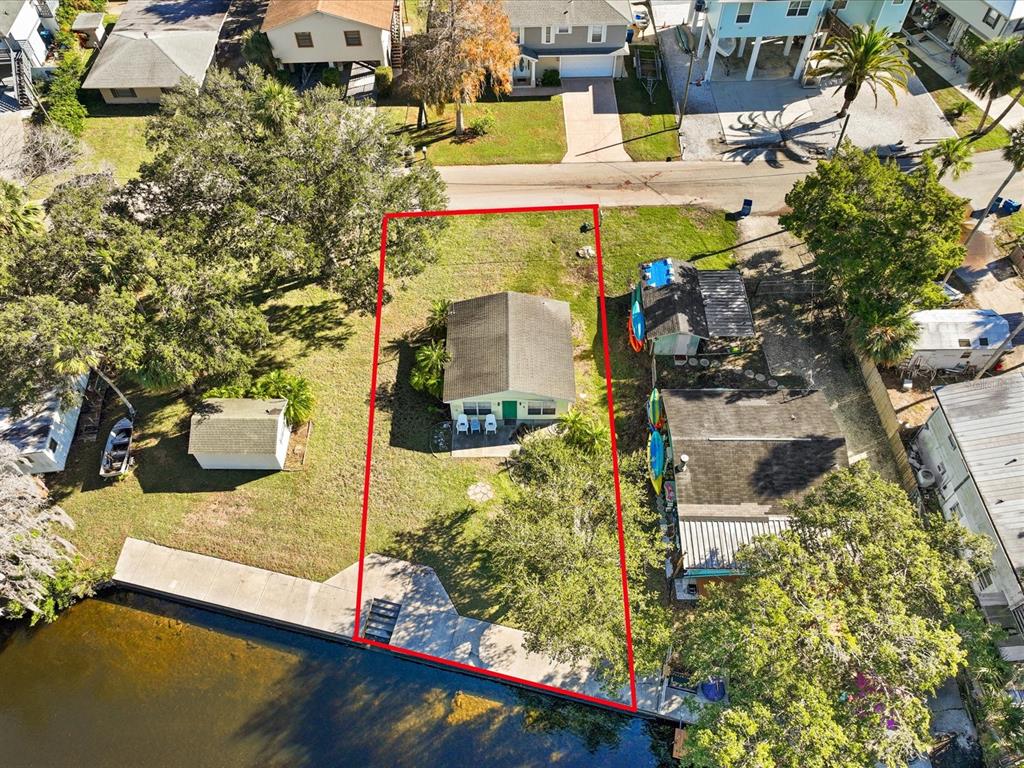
pixel 510 355
pixel 40 439
pixel 736 457
pixel 239 433
pixel 154 45
pixel 683 306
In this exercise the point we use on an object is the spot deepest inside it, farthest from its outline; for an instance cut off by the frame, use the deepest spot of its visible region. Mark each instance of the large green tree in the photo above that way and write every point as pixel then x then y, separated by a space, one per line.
pixel 277 185
pixel 880 236
pixel 555 543
pixel 997 67
pixel 840 629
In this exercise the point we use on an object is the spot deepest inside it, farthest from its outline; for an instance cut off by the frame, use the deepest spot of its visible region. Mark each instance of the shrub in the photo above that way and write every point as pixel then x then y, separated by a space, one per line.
pixel 428 372
pixel 551 78
pixel 331 78
pixel 886 338
pixel 437 320
pixel 482 125
pixel 956 111
pixel 70 583
pixel 382 80
pixel 256 49
pixel 63 106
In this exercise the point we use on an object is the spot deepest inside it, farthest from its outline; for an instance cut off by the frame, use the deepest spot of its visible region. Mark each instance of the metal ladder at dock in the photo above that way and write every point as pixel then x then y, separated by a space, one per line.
pixel 381 620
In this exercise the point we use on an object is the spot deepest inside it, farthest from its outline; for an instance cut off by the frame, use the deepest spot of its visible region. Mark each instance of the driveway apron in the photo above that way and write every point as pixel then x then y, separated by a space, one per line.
pixel 592 130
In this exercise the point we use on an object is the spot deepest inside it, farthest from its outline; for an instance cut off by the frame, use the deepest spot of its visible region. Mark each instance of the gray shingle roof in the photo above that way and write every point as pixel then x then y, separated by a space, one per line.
pixel 236 425
pixel 539 13
pixel 509 342
pixel 707 303
pixel 751 448
pixel 987 419
pixel 156 44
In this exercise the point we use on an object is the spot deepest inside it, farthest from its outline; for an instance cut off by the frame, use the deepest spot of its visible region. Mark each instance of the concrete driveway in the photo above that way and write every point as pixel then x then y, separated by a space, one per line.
pixel 592 130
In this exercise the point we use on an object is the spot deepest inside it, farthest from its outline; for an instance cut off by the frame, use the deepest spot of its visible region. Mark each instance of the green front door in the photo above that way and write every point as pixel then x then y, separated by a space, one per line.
pixel 509 411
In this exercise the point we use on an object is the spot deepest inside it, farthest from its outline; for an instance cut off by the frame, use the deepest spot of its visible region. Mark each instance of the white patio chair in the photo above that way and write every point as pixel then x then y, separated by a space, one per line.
pixel 490 425
pixel 462 424
pixel 474 424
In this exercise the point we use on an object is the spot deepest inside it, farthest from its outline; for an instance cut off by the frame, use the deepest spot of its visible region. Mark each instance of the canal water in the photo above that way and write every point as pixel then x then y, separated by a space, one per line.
pixel 130 680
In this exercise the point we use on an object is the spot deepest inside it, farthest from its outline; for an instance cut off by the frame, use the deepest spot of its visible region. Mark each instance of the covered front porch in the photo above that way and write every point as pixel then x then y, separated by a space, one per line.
pixel 524 73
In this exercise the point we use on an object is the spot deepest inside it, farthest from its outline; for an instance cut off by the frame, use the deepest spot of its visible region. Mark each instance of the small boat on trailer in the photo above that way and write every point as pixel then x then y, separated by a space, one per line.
pixel 118 449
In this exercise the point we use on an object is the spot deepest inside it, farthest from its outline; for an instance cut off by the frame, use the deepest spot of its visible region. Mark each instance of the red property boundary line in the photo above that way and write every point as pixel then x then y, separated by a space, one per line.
pixel 595 213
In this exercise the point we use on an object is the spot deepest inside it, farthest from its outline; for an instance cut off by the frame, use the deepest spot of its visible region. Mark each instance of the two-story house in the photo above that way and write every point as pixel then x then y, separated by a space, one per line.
pixel 948 21
pixel 578 38
pixel 973 447
pixel 27 28
pixel 792 28
pixel 334 32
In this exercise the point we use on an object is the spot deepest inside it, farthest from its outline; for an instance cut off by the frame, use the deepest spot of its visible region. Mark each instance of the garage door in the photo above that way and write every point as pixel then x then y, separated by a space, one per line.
pixel 587 66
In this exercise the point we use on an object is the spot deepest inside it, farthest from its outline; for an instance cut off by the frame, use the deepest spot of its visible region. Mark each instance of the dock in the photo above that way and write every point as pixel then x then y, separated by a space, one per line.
pixel 403 602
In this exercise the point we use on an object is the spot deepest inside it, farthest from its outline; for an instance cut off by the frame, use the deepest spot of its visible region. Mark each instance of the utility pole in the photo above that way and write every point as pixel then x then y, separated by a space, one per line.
pixel 999 350
pixel 691 45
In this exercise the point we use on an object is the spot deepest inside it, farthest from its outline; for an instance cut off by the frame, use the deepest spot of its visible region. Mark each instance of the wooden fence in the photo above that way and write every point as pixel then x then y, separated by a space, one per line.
pixel 890 423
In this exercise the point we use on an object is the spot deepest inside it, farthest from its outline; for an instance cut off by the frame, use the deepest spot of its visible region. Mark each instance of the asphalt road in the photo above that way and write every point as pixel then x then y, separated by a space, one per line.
pixel 713 183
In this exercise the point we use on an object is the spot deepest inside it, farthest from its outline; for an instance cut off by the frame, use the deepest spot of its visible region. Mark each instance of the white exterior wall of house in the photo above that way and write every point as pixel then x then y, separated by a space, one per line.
pixel 209 460
pixel 961 501
pixel 328 33
pixel 971 15
pixel 26 28
pixel 951 358
pixel 575 65
pixel 523 400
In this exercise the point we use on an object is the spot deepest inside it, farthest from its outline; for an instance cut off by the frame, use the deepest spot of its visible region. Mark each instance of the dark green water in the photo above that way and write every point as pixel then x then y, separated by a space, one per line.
pixel 133 681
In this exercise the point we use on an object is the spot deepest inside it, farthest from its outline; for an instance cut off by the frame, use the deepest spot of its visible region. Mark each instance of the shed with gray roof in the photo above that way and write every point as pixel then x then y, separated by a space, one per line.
pixel 239 433
pixel 154 46
pixel 510 355
pixel 683 306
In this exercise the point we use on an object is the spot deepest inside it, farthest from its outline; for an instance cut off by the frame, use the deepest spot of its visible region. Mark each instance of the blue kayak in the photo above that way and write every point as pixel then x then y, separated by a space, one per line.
pixel 656 459
pixel 636 316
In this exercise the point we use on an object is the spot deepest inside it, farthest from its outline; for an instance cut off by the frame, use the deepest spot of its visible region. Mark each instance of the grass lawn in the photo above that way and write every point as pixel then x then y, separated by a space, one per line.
pixel 113 139
pixel 650 130
pixel 948 97
pixel 306 522
pixel 526 130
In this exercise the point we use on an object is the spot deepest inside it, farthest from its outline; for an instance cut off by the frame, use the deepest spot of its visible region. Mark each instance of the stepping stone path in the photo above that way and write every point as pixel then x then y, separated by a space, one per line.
pixel 480 492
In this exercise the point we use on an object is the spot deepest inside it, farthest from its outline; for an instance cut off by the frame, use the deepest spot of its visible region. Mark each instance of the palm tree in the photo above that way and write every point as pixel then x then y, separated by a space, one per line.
pixel 279 104
pixel 887 339
pixel 869 56
pixel 18 218
pixel 995 71
pixel 280 384
pixel 428 373
pixel 1013 153
pixel 437 320
pixel 953 155
pixel 256 49
pixel 581 431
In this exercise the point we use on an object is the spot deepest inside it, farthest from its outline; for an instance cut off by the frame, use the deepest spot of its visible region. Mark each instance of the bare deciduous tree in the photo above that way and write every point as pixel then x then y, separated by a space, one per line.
pixel 48 149
pixel 30 546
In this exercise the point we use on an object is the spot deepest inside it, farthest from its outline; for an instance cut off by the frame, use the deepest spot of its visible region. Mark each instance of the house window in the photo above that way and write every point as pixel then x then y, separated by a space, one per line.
pixel 548 37
pixel 799 8
pixel 964 342
pixel 839 5
pixel 952 442
pixel 942 469
pixel 518 32
pixel 991 18
pixel 954 510
pixel 743 11
pixel 122 93
pixel 965 355
pixel 540 408
pixel 897 2
pixel 53 445
pixel 476 409
pixel 984 579
pixel 304 39
pixel 983 341
pixel 353 37
pixel 596 34
pixel 564 29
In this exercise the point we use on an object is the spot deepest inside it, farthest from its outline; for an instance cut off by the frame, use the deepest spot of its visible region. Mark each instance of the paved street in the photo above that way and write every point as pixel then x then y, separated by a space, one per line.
pixel 766 179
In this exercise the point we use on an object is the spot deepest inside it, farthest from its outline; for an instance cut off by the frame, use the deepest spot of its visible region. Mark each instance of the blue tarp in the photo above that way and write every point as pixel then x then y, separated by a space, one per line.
pixel 659 273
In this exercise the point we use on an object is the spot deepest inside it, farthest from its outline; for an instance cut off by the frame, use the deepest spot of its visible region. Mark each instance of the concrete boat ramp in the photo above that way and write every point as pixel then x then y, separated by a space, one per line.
pixel 416 614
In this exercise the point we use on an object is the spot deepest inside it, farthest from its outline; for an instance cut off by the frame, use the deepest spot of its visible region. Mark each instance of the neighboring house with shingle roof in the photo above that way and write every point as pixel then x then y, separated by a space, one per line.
pixel 582 38
pixel 154 45
pixel 973 445
pixel 684 305
pixel 511 355
pixel 332 32
pixel 239 433
pixel 737 456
